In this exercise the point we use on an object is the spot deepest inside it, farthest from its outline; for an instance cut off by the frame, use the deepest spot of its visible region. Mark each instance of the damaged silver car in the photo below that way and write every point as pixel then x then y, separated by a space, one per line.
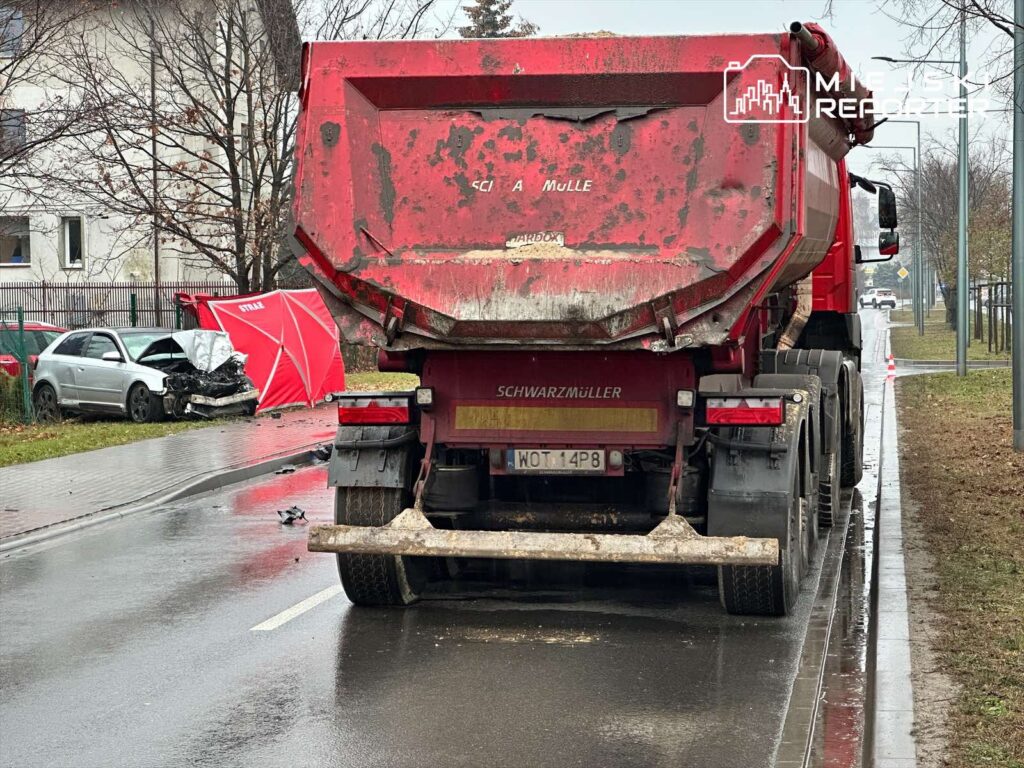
pixel 143 373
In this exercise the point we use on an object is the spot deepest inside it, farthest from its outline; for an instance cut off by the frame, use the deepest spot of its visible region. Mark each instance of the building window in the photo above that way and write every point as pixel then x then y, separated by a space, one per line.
pixel 72 232
pixel 14 241
pixel 12 30
pixel 12 131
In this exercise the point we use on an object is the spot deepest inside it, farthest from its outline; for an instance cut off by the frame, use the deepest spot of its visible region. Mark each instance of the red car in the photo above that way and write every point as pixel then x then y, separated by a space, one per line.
pixel 38 337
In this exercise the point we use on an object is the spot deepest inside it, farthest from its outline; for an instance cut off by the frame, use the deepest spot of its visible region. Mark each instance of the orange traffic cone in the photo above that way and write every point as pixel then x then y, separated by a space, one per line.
pixel 892 366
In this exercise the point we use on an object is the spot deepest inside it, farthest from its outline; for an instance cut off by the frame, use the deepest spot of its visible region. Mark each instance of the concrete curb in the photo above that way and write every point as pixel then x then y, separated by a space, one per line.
pixel 203 483
pixel 951 364
pixel 893 744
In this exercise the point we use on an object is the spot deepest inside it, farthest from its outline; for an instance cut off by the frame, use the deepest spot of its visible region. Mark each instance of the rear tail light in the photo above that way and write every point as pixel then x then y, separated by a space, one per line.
pixel 372 410
pixel 740 411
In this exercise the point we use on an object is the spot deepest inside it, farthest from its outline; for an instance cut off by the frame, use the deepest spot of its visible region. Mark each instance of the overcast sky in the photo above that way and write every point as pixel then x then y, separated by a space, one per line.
pixel 860 28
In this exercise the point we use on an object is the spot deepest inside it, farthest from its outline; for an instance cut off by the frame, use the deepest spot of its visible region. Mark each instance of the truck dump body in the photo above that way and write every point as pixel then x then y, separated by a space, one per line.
pixel 621 268
pixel 555 191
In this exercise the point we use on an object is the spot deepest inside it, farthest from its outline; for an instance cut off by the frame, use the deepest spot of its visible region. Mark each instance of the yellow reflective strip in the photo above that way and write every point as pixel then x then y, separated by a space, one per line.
pixel 524 418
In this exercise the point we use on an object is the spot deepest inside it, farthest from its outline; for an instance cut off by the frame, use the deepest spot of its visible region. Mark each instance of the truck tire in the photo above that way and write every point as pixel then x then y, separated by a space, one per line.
pixel 830 483
pixel 853 452
pixel 767 590
pixel 376 580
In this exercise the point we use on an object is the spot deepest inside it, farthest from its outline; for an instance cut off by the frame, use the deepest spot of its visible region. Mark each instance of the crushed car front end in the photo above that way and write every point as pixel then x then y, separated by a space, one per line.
pixel 204 377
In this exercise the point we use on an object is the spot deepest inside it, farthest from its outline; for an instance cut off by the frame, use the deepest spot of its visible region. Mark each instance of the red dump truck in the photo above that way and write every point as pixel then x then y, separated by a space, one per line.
pixel 623 269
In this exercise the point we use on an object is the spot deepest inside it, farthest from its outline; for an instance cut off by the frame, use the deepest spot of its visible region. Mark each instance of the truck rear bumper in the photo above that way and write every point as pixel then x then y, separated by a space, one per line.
pixel 672 541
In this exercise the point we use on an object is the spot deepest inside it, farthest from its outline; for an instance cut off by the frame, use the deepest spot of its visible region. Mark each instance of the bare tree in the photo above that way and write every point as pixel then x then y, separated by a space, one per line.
pixel 198 143
pixel 933 27
pixel 989 199
pixel 38 105
pixel 197 138
pixel 371 19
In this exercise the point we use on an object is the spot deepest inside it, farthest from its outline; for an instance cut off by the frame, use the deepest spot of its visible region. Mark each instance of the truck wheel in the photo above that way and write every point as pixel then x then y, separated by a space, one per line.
pixel 376 579
pixel 830 485
pixel 853 452
pixel 767 590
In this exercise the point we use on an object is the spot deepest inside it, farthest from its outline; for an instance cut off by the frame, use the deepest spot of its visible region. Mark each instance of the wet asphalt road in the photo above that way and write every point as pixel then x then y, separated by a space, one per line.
pixel 131 644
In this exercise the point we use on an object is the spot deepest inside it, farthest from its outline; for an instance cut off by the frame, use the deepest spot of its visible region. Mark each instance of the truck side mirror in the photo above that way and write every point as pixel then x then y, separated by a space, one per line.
pixel 888 244
pixel 886 208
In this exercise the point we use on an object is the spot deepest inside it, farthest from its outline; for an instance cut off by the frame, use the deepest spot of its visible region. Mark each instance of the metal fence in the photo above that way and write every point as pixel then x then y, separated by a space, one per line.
pixel 15 361
pixel 992 306
pixel 79 305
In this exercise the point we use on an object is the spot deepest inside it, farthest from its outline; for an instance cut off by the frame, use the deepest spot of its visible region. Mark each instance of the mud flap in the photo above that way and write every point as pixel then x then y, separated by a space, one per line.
pixel 759 478
pixel 749 487
pixel 673 541
pixel 371 457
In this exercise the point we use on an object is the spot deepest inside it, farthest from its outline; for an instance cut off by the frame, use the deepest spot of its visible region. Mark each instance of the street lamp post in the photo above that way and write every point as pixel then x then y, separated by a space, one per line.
pixel 961 241
pixel 961 246
pixel 1017 286
pixel 919 281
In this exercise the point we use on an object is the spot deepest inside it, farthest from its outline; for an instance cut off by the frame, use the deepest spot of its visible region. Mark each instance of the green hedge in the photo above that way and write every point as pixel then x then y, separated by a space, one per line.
pixel 11 403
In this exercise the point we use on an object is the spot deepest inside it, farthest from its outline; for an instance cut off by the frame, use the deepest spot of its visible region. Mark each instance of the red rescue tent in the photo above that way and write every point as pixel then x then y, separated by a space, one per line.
pixel 291 340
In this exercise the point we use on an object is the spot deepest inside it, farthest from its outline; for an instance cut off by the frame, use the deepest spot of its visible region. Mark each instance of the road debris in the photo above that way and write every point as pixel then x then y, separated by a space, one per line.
pixel 290 515
pixel 323 452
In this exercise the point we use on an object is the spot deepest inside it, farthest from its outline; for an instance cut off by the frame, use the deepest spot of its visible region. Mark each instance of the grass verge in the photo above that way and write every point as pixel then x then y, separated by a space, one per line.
pixel 20 443
pixel 967 483
pixel 373 381
pixel 938 341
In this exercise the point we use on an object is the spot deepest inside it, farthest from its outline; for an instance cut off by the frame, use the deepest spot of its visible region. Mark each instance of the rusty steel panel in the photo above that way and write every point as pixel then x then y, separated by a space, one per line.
pixel 673 541
pixel 571 191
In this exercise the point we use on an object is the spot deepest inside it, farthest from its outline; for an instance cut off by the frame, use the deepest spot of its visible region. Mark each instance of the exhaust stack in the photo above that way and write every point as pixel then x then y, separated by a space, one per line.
pixel 821 55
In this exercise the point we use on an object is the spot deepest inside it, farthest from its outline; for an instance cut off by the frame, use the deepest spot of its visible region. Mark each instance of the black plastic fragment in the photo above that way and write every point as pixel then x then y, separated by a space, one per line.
pixel 290 515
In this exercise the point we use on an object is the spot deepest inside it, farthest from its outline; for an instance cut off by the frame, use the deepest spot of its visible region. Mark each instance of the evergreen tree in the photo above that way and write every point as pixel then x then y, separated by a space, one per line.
pixel 885 275
pixel 491 18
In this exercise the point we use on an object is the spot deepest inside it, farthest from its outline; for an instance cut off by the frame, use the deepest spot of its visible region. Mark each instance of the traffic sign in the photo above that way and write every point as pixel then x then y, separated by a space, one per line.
pixel 903 273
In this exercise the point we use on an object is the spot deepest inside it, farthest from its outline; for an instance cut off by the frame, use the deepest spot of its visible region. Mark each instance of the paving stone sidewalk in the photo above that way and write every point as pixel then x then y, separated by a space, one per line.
pixel 44 493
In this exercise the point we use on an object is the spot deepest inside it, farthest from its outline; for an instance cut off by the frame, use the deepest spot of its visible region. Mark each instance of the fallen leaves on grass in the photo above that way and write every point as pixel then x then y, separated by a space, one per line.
pixel 374 381
pixel 959 468
pixel 20 443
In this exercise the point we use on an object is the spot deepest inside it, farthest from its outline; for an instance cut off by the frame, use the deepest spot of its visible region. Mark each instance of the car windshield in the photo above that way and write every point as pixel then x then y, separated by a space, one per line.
pixel 137 341
pixel 35 341
pixel 884 293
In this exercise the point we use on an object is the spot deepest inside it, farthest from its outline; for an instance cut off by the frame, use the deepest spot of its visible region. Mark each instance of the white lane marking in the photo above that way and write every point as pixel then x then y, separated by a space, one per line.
pixel 297 610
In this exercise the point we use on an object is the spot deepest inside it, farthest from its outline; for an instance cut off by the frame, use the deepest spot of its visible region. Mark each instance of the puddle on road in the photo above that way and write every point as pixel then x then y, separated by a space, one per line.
pixel 539 635
pixel 839 734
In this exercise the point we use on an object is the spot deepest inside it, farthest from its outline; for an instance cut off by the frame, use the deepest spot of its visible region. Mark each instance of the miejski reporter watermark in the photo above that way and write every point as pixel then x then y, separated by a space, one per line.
pixel 769 93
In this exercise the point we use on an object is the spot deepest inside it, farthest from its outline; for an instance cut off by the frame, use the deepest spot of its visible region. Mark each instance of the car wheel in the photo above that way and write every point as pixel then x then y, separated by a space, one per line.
pixel 142 406
pixel 44 401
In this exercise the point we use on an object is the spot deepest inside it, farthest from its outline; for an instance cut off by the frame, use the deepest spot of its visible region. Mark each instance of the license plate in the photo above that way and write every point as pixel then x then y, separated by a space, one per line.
pixel 549 461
